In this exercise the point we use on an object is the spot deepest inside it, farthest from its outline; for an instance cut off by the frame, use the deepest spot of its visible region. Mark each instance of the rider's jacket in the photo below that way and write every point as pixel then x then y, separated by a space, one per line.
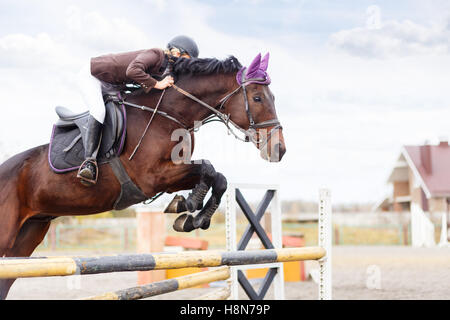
pixel 130 67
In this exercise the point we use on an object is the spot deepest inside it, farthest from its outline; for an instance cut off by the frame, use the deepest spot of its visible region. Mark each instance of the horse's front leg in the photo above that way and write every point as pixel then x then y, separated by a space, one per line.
pixel 203 218
pixel 197 175
pixel 187 222
pixel 195 199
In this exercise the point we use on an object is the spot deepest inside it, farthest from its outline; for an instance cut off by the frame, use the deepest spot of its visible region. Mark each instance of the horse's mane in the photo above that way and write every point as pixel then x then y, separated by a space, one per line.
pixel 205 66
pixel 197 66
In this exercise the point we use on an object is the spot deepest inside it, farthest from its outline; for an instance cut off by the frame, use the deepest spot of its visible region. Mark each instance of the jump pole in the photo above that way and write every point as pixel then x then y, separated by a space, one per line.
pixel 166 286
pixel 219 294
pixel 66 266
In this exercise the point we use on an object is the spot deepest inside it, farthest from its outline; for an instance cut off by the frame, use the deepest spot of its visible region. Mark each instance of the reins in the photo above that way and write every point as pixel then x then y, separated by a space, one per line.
pixel 148 125
pixel 220 116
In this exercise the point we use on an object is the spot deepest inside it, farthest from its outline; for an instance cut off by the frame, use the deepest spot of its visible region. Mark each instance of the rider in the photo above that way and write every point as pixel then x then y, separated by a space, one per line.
pixel 120 69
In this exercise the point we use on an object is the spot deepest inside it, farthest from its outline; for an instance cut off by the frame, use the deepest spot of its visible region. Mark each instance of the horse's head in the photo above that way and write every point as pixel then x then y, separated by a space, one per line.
pixel 253 110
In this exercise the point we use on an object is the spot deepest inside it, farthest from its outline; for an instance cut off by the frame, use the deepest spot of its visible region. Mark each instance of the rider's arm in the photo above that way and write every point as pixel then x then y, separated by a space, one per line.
pixel 136 70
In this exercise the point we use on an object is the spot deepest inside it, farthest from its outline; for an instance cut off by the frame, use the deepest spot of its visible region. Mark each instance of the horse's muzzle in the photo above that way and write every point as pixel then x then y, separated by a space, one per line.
pixel 273 148
pixel 275 154
pixel 278 152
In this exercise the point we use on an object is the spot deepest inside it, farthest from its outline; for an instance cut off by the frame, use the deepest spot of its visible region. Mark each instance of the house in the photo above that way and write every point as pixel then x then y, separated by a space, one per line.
pixel 420 183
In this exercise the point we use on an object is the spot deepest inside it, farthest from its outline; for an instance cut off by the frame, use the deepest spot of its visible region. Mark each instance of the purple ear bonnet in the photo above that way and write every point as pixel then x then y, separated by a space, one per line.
pixel 256 71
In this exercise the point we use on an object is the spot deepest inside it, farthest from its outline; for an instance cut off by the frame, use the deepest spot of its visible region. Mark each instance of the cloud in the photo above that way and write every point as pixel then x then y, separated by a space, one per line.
pixel 392 38
pixel 160 5
pixel 86 33
pixel 25 51
pixel 344 118
pixel 100 33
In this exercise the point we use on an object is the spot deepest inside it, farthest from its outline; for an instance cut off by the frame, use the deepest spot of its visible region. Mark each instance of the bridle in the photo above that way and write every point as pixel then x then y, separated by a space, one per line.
pixel 251 134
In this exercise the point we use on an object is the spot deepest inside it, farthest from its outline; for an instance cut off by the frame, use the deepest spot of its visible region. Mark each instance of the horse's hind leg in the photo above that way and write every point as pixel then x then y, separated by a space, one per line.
pixel 203 218
pixel 9 228
pixel 29 237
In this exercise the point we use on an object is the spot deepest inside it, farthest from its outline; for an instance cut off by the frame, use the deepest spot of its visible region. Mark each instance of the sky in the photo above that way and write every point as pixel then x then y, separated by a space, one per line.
pixel 354 80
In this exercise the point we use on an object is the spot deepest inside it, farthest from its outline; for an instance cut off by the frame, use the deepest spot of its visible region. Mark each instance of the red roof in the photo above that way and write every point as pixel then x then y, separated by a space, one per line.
pixel 432 163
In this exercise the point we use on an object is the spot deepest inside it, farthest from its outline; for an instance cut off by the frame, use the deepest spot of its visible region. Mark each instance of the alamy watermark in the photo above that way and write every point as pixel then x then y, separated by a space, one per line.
pixel 74 282
pixel 373 280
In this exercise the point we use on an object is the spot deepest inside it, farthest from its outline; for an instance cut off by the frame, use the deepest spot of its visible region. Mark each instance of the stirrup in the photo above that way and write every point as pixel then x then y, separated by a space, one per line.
pixel 88 175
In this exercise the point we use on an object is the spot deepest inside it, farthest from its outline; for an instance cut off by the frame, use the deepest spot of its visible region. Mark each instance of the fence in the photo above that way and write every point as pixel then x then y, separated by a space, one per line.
pixel 123 237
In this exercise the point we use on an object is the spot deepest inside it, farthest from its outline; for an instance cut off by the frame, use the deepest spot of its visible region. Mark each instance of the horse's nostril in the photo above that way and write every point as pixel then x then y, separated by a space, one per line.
pixel 275 153
pixel 278 152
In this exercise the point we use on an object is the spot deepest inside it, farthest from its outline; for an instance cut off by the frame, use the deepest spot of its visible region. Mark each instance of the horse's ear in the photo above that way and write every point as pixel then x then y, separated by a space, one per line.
pixel 264 62
pixel 254 66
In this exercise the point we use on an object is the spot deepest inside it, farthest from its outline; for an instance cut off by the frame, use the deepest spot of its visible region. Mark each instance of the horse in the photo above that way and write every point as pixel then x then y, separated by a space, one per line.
pixel 32 194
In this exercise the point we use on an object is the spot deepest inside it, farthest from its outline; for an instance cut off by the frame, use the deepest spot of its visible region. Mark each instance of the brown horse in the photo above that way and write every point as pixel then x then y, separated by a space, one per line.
pixel 31 194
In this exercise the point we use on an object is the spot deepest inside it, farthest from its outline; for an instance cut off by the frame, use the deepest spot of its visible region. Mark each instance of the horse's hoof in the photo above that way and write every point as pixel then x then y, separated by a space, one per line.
pixel 205 224
pixel 177 205
pixel 201 221
pixel 184 223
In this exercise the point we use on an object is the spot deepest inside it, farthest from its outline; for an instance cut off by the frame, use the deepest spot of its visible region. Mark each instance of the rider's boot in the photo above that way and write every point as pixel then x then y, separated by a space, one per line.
pixel 88 171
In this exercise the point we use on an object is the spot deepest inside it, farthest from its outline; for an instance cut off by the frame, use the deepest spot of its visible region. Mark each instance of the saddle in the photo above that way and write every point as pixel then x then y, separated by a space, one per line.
pixel 66 149
pixel 66 152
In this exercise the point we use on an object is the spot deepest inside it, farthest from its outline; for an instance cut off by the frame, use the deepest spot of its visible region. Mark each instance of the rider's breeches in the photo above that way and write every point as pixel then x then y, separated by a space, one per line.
pixel 91 91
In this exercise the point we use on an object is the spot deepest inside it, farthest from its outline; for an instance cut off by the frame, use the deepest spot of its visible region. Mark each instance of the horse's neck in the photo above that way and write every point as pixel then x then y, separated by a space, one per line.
pixel 209 89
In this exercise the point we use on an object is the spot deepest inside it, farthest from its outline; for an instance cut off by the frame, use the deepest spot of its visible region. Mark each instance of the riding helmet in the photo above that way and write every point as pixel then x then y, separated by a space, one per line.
pixel 185 43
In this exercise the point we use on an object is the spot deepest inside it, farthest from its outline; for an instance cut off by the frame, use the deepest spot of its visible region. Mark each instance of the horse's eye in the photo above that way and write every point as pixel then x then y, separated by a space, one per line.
pixel 257 99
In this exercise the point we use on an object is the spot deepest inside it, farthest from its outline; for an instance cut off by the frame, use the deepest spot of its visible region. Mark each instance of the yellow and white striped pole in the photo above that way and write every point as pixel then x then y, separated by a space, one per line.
pixel 161 287
pixel 65 266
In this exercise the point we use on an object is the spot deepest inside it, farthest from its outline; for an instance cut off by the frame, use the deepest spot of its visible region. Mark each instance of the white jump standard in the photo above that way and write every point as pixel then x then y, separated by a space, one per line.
pixel 275 273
